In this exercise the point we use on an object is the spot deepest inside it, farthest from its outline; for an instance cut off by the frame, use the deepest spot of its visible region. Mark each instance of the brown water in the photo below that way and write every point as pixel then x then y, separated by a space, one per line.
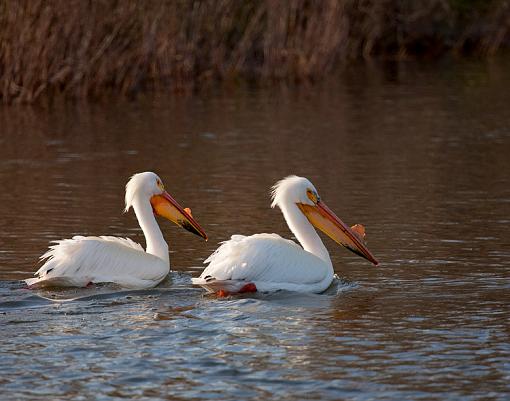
pixel 417 153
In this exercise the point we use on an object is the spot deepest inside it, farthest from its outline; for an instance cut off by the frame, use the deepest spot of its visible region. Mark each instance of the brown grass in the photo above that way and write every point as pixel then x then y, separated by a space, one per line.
pixel 88 48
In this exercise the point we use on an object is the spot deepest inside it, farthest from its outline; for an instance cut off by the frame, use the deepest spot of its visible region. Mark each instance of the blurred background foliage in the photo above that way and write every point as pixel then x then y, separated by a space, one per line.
pixel 85 49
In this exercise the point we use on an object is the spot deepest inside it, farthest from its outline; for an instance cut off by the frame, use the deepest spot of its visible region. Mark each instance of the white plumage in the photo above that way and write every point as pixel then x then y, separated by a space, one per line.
pixel 82 260
pixel 267 262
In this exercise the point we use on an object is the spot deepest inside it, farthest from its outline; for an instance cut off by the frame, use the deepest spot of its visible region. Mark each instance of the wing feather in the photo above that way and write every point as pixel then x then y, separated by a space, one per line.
pixel 264 258
pixel 81 260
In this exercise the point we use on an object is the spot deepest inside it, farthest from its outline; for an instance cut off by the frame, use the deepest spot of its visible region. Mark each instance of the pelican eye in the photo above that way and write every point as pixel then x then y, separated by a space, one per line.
pixel 312 195
pixel 160 184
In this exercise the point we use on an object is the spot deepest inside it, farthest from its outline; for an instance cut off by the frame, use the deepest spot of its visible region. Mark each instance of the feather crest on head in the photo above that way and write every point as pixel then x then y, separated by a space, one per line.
pixel 291 189
pixel 146 182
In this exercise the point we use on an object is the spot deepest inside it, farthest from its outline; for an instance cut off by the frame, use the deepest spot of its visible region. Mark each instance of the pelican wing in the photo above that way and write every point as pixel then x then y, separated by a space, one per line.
pixel 82 260
pixel 267 260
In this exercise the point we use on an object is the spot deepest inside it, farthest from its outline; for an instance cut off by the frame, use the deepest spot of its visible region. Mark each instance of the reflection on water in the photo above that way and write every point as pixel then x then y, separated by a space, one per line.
pixel 419 154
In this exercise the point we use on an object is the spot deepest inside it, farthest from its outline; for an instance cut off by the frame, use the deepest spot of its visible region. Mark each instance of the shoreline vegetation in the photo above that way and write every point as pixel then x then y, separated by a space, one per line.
pixel 84 49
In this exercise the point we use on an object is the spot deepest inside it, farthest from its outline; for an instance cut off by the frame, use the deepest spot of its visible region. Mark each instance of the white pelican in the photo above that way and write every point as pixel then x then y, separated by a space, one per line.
pixel 267 262
pixel 81 260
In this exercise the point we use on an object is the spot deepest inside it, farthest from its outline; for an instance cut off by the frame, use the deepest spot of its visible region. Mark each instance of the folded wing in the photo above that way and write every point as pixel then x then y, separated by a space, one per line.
pixel 267 260
pixel 82 260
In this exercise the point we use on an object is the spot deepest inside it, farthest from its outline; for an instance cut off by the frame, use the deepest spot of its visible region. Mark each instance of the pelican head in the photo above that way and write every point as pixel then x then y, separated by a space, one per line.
pixel 149 186
pixel 301 192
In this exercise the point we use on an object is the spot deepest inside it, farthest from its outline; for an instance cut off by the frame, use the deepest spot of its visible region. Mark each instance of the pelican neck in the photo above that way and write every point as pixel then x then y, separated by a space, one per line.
pixel 304 232
pixel 156 244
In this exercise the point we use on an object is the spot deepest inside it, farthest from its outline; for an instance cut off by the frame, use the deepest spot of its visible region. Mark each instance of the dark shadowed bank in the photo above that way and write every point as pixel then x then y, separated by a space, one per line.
pixel 89 48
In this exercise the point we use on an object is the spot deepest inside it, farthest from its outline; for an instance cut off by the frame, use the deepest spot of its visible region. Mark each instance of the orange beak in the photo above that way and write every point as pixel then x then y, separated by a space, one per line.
pixel 325 220
pixel 166 206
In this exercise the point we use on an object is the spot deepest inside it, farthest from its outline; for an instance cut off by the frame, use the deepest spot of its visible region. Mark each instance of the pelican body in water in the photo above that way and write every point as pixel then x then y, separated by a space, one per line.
pixel 80 261
pixel 267 262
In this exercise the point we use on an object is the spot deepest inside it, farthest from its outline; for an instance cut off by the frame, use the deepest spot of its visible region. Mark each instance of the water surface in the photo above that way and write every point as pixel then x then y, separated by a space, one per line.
pixel 417 153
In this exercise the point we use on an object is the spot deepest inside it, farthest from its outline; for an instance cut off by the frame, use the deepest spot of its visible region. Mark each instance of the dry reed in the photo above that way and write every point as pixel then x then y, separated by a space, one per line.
pixel 88 48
